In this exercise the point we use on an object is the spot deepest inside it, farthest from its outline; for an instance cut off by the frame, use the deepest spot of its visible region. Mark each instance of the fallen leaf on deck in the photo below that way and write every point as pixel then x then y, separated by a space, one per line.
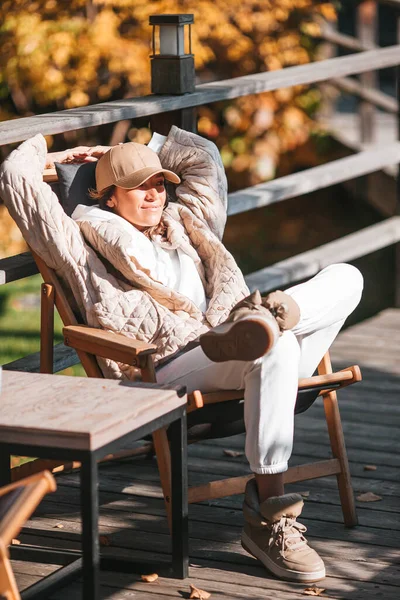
pixel 149 578
pixel 369 497
pixel 304 494
pixel 59 526
pixel 198 593
pixel 104 540
pixel 15 542
pixel 233 453
pixel 369 468
pixel 313 591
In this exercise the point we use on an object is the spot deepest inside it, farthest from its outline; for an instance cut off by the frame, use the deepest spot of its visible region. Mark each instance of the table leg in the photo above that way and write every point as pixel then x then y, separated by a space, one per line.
pixel 179 481
pixel 5 466
pixel 90 532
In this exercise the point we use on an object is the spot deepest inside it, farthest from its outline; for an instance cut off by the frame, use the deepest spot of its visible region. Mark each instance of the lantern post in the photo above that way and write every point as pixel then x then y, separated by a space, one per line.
pixel 172 68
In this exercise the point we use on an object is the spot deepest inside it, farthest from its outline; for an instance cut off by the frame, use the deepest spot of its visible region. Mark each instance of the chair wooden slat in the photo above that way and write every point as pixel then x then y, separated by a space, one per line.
pixel 17 503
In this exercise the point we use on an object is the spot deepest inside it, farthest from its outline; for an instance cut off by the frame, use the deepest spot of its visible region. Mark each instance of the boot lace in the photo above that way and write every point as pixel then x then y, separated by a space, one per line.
pixel 287 534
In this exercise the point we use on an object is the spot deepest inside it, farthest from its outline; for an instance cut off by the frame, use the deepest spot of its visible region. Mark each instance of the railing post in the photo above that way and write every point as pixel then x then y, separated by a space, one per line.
pixel 397 246
pixel 327 50
pixel 398 113
pixel 367 30
pixel 174 64
pixel 185 118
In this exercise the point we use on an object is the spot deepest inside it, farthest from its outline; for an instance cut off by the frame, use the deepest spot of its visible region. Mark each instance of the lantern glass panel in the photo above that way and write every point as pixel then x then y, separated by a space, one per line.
pixel 171 40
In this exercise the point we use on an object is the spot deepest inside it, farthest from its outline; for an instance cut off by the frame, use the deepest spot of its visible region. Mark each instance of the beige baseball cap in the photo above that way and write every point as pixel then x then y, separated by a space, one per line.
pixel 128 166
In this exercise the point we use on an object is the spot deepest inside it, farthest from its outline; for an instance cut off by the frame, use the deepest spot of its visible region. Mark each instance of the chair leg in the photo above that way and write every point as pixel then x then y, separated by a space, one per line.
pixel 8 585
pixel 46 328
pixel 336 436
pixel 163 454
pixel 160 441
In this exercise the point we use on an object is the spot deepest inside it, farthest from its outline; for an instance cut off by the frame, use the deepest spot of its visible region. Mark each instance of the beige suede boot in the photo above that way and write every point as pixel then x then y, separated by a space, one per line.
pixel 272 534
pixel 252 328
pixel 249 332
pixel 282 306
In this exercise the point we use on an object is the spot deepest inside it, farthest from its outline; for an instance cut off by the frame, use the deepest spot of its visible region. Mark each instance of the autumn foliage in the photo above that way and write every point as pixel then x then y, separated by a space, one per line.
pixel 68 53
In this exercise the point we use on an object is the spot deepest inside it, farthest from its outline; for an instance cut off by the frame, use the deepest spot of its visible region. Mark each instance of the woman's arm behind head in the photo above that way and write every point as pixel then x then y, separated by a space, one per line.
pixel 204 187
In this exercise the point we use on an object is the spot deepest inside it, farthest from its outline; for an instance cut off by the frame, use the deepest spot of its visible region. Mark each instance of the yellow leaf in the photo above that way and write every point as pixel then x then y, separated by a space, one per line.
pixel 104 540
pixel 368 497
pixel 149 578
pixel 198 594
pixel 313 591
pixel 233 453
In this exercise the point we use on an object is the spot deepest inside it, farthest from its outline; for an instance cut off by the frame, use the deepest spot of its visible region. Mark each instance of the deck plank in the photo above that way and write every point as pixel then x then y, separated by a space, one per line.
pixel 363 562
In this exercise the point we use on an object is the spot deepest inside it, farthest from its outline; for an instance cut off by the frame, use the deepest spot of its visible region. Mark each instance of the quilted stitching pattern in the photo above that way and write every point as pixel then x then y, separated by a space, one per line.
pixel 138 307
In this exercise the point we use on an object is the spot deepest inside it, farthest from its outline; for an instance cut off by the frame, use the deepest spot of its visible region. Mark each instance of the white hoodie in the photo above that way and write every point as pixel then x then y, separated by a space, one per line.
pixel 173 268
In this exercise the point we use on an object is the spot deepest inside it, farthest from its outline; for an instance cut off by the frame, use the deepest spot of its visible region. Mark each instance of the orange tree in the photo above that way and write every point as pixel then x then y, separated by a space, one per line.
pixel 65 53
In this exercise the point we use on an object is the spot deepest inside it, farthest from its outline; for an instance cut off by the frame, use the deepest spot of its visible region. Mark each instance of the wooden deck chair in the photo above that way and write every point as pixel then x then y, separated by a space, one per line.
pixel 17 503
pixel 90 342
pixel 203 409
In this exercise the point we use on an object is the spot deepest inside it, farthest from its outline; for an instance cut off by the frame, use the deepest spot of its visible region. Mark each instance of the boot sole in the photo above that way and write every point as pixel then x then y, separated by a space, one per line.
pixel 287 574
pixel 247 340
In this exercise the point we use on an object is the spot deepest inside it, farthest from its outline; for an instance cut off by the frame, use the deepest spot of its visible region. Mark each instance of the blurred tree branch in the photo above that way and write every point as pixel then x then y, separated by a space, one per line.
pixel 68 53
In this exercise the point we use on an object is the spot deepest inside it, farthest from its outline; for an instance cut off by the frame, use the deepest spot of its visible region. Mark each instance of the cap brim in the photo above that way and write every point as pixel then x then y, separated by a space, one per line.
pixel 138 177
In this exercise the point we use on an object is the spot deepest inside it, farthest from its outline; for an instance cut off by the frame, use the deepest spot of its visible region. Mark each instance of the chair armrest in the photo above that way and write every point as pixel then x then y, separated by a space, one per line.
pixel 107 344
pixel 340 378
pixel 325 383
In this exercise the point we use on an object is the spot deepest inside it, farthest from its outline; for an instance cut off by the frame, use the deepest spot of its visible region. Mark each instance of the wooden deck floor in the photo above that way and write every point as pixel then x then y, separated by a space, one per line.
pixel 361 563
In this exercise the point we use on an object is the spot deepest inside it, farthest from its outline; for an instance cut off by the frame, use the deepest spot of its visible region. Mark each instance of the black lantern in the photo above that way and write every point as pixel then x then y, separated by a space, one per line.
pixel 172 70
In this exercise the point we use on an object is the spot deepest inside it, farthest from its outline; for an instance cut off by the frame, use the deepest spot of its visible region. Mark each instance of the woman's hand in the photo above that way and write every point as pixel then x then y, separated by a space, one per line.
pixel 79 154
pixel 87 155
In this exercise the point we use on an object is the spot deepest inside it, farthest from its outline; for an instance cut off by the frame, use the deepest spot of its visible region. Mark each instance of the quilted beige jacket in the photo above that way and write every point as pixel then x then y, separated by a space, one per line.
pixel 136 305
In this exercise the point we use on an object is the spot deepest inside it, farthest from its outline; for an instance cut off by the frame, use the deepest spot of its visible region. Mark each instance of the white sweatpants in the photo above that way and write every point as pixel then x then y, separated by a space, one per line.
pixel 270 382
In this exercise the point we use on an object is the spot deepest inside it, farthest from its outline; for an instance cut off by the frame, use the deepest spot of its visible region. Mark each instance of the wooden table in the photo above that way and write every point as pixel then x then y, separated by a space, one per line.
pixel 77 418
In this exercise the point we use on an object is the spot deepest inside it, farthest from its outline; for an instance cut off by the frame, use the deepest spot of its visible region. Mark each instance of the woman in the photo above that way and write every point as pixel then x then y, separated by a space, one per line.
pixel 180 263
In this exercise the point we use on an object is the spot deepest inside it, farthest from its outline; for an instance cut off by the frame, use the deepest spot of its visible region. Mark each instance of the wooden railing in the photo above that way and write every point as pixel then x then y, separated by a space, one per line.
pixel 336 70
pixel 366 89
